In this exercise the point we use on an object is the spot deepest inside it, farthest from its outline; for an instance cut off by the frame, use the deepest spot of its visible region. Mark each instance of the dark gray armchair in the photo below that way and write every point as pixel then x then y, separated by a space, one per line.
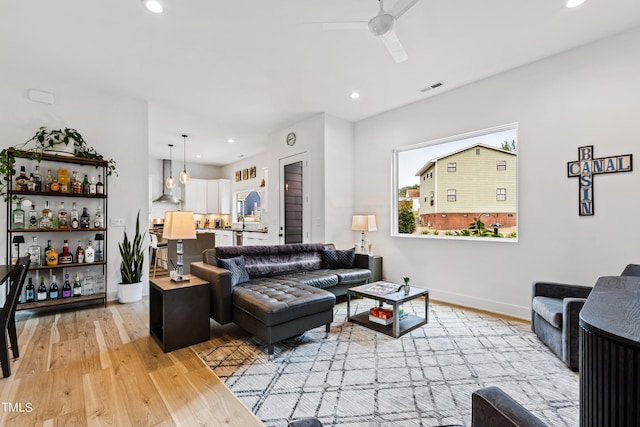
pixel 492 407
pixel 555 310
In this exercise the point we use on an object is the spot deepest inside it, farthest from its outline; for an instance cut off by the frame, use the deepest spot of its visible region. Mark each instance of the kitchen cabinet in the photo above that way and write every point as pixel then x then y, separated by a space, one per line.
pixel 212 196
pixel 224 238
pixel 255 239
pixel 195 199
pixel 219 196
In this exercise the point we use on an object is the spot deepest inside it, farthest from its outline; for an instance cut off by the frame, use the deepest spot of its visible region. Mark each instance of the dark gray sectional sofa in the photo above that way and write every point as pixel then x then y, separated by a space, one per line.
pixel 279 291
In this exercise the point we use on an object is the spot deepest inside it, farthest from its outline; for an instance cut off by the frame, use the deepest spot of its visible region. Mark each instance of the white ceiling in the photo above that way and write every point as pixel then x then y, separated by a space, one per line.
pixel 244 68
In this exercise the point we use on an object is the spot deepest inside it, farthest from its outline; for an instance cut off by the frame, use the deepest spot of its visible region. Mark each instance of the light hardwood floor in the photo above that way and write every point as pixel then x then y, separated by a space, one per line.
pixel 99 366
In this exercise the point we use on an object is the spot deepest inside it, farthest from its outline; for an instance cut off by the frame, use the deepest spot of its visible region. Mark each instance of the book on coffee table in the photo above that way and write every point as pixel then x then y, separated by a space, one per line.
pixel 383 288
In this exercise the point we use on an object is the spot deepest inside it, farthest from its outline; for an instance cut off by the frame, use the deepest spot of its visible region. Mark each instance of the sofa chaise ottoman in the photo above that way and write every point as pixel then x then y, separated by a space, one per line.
pixel 279 291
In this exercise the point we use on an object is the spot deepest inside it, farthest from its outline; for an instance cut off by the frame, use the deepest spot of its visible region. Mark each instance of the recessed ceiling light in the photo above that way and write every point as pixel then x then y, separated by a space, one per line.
pixel 231 140
pixel 153 5
pixel 198 156
pixel 574 3
pixel 354 95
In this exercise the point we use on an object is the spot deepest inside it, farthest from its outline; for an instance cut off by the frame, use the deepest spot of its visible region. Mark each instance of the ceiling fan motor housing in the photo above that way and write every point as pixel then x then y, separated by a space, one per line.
pixel 381 24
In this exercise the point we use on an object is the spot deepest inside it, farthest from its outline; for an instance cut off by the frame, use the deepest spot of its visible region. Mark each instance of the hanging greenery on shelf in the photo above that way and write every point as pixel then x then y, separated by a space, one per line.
pixel 47 140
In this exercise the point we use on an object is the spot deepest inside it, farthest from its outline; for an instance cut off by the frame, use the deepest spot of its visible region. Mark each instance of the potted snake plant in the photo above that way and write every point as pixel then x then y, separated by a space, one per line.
pixel 131 267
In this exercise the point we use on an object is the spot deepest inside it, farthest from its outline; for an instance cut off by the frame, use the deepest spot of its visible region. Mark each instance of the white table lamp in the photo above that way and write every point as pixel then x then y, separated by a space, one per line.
pixel 363 223
pixel 179 225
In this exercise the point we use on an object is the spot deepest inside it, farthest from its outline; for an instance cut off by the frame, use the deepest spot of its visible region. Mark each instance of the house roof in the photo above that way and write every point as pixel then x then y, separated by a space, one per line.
pixel 433 161
pixel 413 193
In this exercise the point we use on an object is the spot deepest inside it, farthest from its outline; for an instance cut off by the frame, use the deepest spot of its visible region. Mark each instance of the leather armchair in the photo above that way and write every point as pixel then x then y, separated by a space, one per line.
pixel 555 310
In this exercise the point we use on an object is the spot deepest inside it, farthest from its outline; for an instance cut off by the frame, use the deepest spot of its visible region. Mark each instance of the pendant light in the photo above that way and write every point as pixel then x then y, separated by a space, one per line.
pixel 184 175
pixel 170 182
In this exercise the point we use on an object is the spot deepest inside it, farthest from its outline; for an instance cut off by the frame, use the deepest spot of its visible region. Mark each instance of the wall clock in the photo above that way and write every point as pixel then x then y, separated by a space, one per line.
pixel 291 139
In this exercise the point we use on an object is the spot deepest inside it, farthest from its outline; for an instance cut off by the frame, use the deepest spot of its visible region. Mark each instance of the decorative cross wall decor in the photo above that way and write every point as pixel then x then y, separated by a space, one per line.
pixel 587 166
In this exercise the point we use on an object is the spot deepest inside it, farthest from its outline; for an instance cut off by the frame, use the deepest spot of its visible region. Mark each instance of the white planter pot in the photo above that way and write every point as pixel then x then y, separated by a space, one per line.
pixel 62 149
pixel 128 293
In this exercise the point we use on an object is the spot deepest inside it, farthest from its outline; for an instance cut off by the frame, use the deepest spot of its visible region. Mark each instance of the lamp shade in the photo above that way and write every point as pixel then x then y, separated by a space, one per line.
pixel 18 239
pixel 179 225
pixel 99 236
pixel 364 223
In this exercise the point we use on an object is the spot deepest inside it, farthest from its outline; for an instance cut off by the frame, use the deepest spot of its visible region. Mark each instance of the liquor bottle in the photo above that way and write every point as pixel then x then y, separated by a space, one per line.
pixel 74 218
pixel 37 179
pixel 17 218
pixel 53 288
pixel 31 291
pixel 22 181
pixel 79 253
pixel 77 183
pixel 45 219
pixel 84 219
pixel 77 287
pixel 63 180
pixel 33 218
pixel 35 253
pixel 47 249
pixel 66 257
pixel 15 253
pixel 85 185
pixel 99 186
pixel 48 179
pixel 63 220
pixel 42 291
pixel 31 184
pixel 66 287
pixel 98 255
pixel 89 253
pixel 55 186
pixel 87 287
pixel 92 186
pixel 98 220
pixel 52 257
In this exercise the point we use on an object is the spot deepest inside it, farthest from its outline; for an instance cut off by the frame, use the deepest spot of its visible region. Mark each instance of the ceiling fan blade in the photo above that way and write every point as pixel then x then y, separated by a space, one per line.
pixel 401 7
pixel 353 25
pixel 393 45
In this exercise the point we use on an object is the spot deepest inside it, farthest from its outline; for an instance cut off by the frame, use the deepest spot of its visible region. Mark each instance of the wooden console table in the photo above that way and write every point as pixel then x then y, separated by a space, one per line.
pixel 610 354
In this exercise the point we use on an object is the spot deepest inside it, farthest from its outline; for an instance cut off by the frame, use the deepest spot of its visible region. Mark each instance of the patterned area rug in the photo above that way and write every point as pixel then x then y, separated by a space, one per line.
pixel 358 377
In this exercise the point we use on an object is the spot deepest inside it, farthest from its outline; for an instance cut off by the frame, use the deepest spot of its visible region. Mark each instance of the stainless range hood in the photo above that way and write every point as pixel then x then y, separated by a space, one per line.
pixel 166 198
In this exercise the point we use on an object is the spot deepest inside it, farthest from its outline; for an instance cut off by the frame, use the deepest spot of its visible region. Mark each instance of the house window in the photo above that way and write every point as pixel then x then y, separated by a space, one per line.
pixel 451 167
pixel 425 199
pixel 501 194
pixel 431 198
pixel 451 195
pixel 431 174
pixel 501 165
pixel 477 151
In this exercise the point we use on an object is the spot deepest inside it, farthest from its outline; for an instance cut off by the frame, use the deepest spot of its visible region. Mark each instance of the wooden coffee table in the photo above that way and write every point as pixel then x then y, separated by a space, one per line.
pixel 399 326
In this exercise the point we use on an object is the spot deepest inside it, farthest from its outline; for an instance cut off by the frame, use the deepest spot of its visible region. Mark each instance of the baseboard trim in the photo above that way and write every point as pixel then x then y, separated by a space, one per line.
pixel 512 310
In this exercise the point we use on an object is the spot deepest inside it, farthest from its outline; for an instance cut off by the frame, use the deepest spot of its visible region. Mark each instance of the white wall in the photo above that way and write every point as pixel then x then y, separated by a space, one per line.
pixel 114 125
pixel 339 182
pixel 587 96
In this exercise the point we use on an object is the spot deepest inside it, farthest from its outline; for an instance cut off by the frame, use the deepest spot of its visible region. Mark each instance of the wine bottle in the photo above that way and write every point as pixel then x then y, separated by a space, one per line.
pixel 42 290
pixel 92 186
pixel 31 291
pixel 53 288
pixel 66 288
pixel 85 185
pixel 77 287
pixel 99 186
pixel 48 179
pixel 38 179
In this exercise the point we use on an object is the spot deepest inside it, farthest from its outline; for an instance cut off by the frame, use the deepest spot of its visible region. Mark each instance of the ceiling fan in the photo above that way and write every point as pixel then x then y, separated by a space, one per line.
pixel 381 26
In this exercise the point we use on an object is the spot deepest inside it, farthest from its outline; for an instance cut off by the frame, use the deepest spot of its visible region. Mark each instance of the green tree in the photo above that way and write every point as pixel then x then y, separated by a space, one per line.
pixel 509 146
pixel 478 229
pixel 406 221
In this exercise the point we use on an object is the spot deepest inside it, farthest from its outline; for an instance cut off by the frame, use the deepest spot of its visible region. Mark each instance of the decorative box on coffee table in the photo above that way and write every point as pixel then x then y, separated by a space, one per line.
pixel 178 312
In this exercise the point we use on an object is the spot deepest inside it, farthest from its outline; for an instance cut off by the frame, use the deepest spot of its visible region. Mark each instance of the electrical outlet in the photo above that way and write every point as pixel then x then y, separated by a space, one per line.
pixel 117 222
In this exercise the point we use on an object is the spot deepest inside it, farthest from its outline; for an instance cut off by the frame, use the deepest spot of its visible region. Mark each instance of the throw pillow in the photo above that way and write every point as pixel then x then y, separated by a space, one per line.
pixel 237 268
pixel 338 258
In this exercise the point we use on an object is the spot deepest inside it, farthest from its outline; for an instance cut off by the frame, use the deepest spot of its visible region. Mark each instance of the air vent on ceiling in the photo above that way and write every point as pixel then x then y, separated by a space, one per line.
pixel 433 86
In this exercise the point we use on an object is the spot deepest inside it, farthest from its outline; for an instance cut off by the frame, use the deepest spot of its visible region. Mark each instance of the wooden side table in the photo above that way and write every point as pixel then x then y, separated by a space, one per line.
pixel 178 312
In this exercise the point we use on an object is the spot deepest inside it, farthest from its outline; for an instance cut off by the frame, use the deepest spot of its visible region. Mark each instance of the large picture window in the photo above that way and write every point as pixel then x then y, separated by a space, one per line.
pixel 485 166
